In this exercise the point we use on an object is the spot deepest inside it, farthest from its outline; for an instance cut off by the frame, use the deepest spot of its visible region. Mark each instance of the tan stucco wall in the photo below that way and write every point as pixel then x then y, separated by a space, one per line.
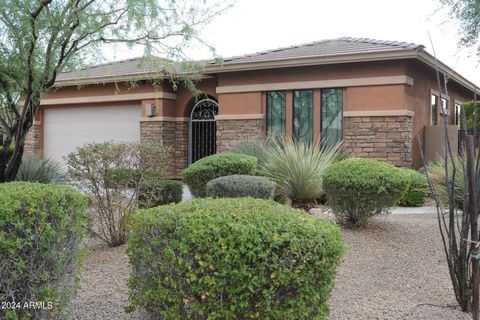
pixel 386 97
pixel 418 100
pixel 312 73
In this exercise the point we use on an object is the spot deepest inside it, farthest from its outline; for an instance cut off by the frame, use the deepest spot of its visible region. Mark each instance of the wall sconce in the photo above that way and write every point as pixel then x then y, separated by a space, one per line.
pixel 150 110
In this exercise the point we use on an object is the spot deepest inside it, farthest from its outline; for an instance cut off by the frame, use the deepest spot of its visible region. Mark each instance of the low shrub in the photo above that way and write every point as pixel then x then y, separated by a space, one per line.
pixel 255 148
pixel 41 227
pixel 436 173
pixel 34 169
pixel 358 189
pixel 297 168
pixel 111 174
pixel 156 192
pixel 238 186
pixel 232 259
pixel 416 191
pixel 122 178
pixel 199 173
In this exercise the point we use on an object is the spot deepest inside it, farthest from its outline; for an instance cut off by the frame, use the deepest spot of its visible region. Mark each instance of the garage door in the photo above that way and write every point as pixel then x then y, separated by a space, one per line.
pixel 65 129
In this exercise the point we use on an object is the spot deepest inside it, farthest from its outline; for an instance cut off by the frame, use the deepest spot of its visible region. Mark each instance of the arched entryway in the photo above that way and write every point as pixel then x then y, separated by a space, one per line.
pixel 202 130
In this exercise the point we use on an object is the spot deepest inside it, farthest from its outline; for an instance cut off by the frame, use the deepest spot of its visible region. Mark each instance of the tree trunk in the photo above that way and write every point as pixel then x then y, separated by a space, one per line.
pixel 471 177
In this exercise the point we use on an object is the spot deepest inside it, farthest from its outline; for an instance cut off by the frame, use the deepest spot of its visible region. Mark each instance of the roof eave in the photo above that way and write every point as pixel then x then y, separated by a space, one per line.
pixel 307 61
pixel 430 60
pixel 119 78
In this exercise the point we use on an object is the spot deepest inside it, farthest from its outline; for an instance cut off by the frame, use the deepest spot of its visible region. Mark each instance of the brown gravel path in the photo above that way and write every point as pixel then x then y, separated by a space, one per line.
pixel 389 270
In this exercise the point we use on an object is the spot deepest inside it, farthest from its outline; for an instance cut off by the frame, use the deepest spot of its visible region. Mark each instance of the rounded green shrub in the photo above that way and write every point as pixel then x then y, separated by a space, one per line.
pixel 199 173
pixel 416 191
pixel 232 259
pixel 239 186
pixel 122 177
pixel 41 227
pixel 358 189
pixel 154 191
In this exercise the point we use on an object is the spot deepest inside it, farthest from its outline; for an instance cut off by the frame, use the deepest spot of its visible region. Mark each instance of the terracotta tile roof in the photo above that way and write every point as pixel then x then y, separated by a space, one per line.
pixel 319 49
pixel 127 67
pixel 324 48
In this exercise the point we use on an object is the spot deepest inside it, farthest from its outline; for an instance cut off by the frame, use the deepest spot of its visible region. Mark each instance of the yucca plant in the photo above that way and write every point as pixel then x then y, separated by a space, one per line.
pixel 34 169
pixel 436 173
pixel 297 169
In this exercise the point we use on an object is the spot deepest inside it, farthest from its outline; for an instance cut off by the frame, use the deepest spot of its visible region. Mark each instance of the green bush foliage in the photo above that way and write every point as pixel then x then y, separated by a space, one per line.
pixel 358 189
pixel 436 173
pixel 297 168
pixel 232 259
pixel 41 227
pixel 416 191
pixel 199 173
pixel 239 186
pixel 34 169
pixel 111 173
pixel 156 192
pixel 122 177
pixel 255 148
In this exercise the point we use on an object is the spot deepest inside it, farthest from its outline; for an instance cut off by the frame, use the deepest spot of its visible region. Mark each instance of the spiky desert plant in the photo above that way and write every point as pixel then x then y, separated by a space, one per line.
pixel 297 169
pixel 35 169
pixel 436 172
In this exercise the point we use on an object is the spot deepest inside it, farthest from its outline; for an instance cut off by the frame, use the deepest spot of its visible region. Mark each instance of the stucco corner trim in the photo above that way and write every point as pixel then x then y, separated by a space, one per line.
pixel 385 113
pixel 353 82
pixel 162 119
pixel 239 116
pixel 109 98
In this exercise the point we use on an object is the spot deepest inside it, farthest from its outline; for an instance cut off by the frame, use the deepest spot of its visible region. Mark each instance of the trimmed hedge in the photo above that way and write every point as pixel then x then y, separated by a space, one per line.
pixel 199 173
pixel 416 191
pixel 238 186
pixel 232 259
pixel 41 227
pixel 358 189
pixel 154 192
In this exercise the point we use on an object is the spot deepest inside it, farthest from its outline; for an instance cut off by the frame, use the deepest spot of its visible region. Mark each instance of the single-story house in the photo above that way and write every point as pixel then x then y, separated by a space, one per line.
pixel 378 97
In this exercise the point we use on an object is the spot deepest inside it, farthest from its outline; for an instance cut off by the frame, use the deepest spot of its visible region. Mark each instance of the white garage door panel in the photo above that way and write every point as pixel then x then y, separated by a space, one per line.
pixel 65 129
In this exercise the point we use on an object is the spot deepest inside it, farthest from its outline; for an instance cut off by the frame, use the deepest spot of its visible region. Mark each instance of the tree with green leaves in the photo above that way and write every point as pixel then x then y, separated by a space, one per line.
pixel 467 12
pixel 40 38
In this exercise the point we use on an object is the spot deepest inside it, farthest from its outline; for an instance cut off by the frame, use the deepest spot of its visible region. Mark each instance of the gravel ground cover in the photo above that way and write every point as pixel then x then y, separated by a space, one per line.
pixel 393 270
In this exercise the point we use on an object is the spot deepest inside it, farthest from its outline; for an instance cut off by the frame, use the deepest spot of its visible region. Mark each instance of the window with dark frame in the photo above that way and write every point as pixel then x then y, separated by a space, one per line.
pixel 434 109
pixel 331 116
pixel 303 116
pixel 276 109
pixel 458 113
pixel 445 106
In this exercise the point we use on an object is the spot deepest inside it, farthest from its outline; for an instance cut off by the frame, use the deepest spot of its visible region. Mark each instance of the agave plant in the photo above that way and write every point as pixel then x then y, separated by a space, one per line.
pixel 297 169
pixel 436 173
pixel 34 169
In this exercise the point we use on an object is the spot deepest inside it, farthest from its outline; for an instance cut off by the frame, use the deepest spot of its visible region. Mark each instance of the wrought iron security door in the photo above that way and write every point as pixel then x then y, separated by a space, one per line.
pixel 202 130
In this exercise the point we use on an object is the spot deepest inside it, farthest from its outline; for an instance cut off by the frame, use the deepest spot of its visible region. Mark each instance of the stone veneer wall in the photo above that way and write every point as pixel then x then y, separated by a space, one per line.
pixel 230 132
pixel 387 138
pixel 172 134
pixel 32 141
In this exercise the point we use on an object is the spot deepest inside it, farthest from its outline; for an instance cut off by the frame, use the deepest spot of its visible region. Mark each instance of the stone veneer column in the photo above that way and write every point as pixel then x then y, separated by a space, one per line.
pixel 387 138
pixel 172 134
pixel 231 132
pixel 32 141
